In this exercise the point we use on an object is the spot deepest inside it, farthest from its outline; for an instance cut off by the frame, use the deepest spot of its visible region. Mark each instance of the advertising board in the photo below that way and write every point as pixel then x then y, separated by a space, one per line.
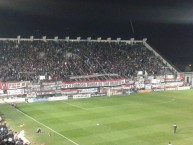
pixel 39 99
pixel 59 98
pixel 79 96
pixel 144 91
pixel 14 99
pixel 91 90
pixel 98 94
pixel 183 88
pixel 1 92
pixel 15 92
pixel 148 86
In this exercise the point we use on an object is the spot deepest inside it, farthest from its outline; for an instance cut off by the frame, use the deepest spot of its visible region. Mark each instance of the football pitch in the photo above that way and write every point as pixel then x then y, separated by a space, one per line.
pixel 137 119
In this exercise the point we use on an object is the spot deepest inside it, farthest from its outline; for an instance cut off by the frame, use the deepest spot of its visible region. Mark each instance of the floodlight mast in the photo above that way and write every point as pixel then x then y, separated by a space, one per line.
pixel 132 28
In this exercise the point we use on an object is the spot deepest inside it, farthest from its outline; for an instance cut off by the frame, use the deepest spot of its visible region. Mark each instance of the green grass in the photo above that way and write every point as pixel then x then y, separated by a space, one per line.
pixel 139 119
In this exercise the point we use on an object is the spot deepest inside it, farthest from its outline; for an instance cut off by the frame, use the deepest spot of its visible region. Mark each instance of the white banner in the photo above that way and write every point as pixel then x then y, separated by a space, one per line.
pixel 157 90
pixel 10 100
pixel 16 85
pixel 170 89
pixel 31 95
pixel 170 77
pixel 30 100
pixel 15 92
pixel 93 83
pixel 147 86
pixel 1 92
pixel 91 90
pixel 99 94
pixel 158 86
pixel 69 91
pixel 140 86
pixel 58 98
pixel 183 88
pixel 155 81
pixel 1 101
pixel 174 84
pixel 79 96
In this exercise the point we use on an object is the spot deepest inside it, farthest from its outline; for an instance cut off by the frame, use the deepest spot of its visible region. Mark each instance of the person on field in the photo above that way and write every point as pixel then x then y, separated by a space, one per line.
pixel 169 143
pixel 38 130
pixel 175 128
pixel 49 134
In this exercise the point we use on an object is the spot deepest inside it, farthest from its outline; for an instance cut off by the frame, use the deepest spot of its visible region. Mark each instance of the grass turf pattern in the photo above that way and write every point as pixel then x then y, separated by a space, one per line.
pixel 137 119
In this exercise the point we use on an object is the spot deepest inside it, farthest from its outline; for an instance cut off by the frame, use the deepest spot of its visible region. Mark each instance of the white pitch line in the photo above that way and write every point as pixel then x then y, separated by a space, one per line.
pixel 161 102
pixel 165 102
pixel 77 106
pixel 48 127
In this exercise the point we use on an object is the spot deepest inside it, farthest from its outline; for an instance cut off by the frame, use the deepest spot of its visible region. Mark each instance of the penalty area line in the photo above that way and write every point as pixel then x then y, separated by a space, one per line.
pixel 47 127
pixel 77 106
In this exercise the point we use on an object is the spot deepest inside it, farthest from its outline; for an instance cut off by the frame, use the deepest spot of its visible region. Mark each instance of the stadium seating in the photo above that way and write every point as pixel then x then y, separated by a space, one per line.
pixel 8 136
pixel 60 60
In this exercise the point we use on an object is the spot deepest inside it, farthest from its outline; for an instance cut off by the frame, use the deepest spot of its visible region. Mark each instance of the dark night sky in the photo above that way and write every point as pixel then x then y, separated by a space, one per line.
pixel 168 24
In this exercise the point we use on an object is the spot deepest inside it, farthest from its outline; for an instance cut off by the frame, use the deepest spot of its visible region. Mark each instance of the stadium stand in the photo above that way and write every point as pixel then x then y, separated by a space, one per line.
pixel 61 60
pixel 8 136
pixel 40 70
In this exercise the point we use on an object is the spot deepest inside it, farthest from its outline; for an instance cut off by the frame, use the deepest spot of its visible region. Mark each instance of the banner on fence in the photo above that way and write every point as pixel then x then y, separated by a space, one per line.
pixel 69 91
pixel 38 100
pixel 1 92
pixel 14 99
pixel 31 95
pixel 46 92
pixel 17 85
pixel 15 92
pixel 144 91
pixel 148 86
pixel 170 89
pixel 59 98
pixel 157 90
pixel 91 90
pixel 183 88
pixel 95 83
pixel 79 96
pixel 98 94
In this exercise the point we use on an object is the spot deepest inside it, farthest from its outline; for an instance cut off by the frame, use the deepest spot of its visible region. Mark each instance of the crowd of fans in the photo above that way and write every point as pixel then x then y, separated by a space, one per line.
pixel 8 136
pixel 28 60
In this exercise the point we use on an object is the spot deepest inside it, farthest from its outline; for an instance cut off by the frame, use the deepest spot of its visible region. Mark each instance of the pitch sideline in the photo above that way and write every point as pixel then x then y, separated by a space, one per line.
pixel 47 127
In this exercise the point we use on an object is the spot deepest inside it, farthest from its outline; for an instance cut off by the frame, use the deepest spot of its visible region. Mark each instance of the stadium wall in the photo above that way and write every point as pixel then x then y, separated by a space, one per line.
pixel 120 86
